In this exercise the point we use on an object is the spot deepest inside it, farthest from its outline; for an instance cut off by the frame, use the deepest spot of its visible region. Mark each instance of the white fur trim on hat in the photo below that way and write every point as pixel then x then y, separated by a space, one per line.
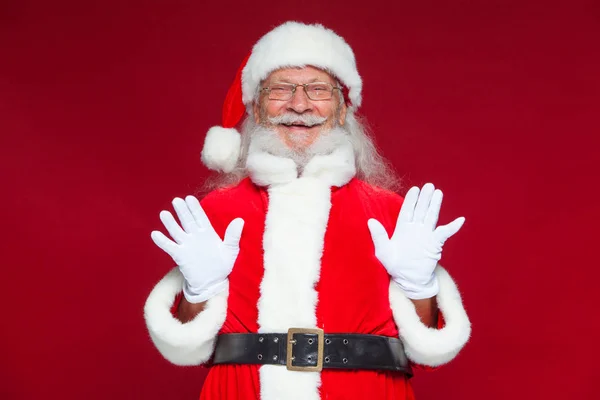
pixel 294 44
pixel 190 343
pixel 221 149
pixel 425 345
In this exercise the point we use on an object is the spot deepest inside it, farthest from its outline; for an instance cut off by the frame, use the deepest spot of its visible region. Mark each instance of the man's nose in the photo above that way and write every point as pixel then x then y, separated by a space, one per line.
pixel 300 102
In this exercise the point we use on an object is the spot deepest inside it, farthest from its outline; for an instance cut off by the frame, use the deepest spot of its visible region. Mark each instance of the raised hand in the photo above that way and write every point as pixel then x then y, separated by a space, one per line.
pixel 203 258
pixel 411 254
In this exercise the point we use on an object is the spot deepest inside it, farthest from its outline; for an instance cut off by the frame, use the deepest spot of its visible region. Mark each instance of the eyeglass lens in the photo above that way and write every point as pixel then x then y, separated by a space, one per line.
pixel 314 91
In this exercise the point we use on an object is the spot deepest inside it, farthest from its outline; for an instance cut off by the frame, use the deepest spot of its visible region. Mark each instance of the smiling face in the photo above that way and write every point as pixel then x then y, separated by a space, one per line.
pixel 308 119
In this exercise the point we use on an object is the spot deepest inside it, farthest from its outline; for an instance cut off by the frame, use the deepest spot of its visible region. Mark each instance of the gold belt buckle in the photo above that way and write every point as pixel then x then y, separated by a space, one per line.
pixel 290 348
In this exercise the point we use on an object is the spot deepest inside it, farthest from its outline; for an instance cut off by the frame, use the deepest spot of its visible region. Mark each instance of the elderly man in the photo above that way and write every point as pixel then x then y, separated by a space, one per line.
pixel 303 275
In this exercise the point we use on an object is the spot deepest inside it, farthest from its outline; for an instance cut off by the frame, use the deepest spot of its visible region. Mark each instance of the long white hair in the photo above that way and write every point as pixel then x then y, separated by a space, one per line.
pixel 371 166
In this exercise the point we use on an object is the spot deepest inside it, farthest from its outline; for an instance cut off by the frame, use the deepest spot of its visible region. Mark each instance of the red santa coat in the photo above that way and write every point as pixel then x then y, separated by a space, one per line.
pixel 306 260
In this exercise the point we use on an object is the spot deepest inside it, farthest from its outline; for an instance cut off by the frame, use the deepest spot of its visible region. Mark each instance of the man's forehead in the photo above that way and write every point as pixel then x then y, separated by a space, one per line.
pixel 300 75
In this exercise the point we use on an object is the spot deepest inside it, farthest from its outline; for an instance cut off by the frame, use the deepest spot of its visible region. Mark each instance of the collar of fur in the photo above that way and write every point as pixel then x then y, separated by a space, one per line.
pixel 334 169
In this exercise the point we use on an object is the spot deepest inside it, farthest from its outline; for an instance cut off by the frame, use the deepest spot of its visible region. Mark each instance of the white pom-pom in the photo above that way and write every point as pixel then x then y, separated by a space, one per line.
pixel 221 149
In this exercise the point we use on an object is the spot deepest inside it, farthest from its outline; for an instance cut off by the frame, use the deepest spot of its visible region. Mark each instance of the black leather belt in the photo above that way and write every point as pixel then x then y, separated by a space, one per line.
pixel 312 350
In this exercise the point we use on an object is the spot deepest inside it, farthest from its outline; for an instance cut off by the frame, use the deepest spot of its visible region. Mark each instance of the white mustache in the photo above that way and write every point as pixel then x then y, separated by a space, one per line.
pixel 297 119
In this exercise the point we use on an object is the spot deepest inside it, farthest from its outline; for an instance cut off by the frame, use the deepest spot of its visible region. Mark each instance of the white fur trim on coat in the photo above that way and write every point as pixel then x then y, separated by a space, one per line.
pixel 190 343
pixel 294 44
pixel 221 149
pixel 293 244
pixel 267 169
pixel 425 345
pixel 335 169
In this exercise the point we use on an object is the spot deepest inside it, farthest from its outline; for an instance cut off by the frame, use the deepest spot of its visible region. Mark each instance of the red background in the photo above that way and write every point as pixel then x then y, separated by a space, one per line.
pixel 103 110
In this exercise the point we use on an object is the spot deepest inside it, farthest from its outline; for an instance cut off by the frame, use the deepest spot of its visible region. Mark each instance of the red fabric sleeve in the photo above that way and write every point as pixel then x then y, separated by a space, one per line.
pixel 175 305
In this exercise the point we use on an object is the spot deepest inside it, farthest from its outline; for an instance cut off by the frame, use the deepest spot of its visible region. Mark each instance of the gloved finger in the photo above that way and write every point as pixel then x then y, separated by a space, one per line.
pixel 442 233
pixel 378 233
pixel 433 212
pixel 233 233
pixel 184 215
pixel 172 226
pixel 408 205
pixel 423 203
pixel 198 212
pixel 163 242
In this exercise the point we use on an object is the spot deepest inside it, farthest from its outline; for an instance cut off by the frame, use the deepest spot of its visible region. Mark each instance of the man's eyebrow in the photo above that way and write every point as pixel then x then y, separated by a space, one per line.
pixel 324 80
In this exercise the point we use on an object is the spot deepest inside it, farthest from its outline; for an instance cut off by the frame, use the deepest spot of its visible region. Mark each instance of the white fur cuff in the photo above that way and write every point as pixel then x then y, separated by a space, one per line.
pixel 221 149
pixel 191 343
pixel 425 345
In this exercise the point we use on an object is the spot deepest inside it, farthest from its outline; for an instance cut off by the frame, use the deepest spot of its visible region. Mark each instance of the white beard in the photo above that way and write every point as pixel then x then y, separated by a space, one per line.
pixel 264 139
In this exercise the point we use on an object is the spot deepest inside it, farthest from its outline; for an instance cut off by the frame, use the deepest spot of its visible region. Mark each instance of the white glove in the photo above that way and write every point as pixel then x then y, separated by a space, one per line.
pixel 203 258
pixel 412 253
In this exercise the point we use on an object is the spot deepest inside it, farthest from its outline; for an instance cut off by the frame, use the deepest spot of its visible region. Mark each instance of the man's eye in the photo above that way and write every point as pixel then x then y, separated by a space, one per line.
pixel 279 88
pixel 319 88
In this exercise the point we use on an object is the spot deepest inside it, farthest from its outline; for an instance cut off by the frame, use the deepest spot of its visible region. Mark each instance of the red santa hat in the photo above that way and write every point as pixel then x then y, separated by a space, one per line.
pixel 291 44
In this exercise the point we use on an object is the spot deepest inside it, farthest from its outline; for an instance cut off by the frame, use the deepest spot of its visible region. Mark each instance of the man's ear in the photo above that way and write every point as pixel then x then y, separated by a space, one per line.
pixel 342 116
pixel 256 112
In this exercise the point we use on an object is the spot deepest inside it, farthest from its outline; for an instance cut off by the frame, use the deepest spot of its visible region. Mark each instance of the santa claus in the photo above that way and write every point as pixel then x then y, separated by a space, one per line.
pixel 302 275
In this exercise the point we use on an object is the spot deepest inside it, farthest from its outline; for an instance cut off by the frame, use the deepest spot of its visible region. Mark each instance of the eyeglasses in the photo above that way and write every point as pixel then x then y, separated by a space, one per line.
pixel 314 90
